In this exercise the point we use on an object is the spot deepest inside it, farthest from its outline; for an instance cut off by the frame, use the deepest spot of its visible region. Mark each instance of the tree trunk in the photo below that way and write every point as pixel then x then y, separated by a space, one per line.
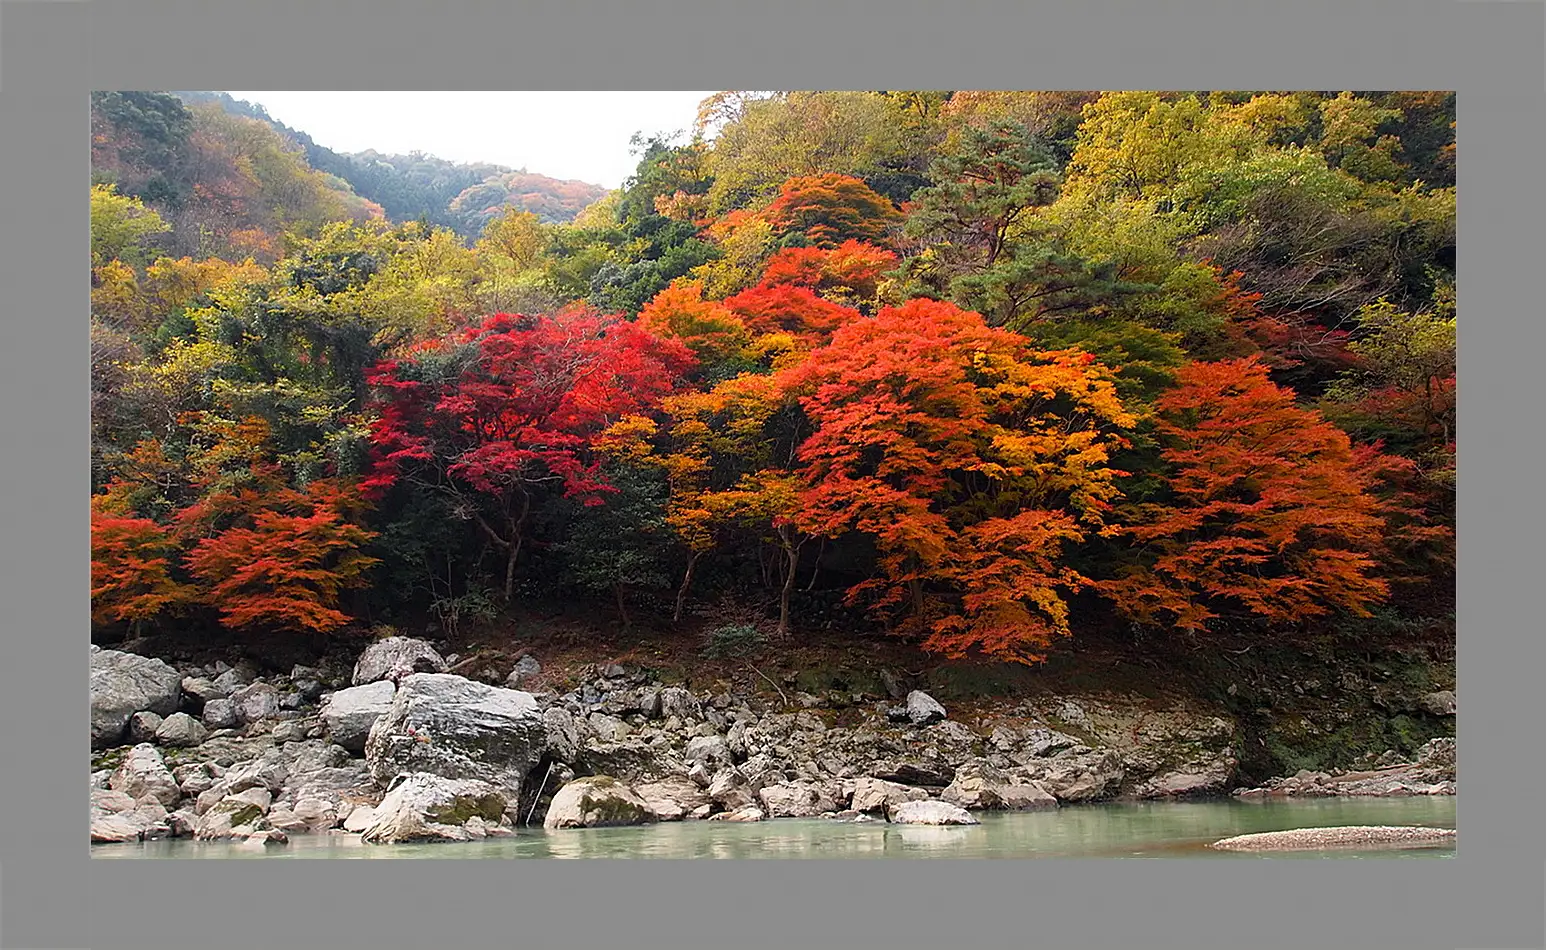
pixel 510 575
pixel 682 589
pixel 917 586
pixel 792 553
pixel 617 591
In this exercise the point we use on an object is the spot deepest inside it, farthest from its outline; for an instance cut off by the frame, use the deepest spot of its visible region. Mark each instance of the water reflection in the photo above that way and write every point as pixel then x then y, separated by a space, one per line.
pixel 1112 830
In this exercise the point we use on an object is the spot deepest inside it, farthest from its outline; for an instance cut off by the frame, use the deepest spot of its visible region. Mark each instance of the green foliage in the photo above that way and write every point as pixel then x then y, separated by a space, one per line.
pixel 121 227
pixel 733 641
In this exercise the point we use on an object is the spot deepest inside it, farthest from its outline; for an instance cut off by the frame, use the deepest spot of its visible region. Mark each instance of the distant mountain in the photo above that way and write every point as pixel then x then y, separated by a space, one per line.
pixel 462 197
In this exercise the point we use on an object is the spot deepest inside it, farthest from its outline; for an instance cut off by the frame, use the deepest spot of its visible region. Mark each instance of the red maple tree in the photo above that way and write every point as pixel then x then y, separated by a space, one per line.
pixel 512 406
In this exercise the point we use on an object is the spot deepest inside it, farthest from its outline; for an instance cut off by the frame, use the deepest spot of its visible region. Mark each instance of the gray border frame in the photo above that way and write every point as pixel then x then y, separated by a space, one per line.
pixel 52 54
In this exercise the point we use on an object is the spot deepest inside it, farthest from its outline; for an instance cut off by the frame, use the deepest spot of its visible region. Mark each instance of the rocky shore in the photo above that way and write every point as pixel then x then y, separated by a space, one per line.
pixel 402 747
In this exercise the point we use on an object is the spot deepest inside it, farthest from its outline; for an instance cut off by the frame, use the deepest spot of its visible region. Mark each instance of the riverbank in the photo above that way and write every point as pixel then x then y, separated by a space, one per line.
pixel 219 751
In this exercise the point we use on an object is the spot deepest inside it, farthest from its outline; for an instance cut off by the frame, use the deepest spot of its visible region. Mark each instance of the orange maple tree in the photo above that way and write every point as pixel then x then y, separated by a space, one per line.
pixel 1270 509
pixel 969 459
pixel 832 209
pixel 132 563
pixel 286 569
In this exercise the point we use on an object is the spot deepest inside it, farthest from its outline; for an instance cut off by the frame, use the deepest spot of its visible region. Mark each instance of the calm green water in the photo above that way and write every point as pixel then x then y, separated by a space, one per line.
pixel 1178 829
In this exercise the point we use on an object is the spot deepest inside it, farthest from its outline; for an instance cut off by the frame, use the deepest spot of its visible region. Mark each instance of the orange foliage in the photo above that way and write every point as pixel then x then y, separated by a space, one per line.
pixel 832 209
pixel 707 328
pixel 131 569
pixel 969 459
pixel 1271 509
pixel 286 570
pixel 786 308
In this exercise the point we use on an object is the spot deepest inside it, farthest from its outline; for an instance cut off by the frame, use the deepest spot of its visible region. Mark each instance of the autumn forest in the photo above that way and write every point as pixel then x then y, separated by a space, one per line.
pixel 984 371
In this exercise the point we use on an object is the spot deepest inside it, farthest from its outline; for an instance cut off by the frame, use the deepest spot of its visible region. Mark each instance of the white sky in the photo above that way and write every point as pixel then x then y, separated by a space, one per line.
pixel 570 135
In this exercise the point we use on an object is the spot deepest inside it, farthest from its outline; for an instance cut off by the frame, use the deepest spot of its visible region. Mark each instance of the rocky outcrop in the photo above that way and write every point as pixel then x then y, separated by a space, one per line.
pixel 424 807
pixel 674 798
pixel 978 785
pixel 445 725
pixel 123 684
pixel 1431 772
pixel 879 795
pixel 597 801
pixel 641 750
pixel 796 800
pixel 349 714
pixel 393 658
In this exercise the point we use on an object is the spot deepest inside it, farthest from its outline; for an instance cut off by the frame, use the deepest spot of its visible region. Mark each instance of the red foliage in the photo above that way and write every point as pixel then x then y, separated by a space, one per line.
pixel 1271 509
pixel 853 265
pixel 786 308
pixel 519 410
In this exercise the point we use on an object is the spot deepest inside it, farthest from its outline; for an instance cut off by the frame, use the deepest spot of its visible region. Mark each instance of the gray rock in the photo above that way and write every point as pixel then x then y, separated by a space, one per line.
pixel 923 709
pixel 231 680
pixel 308 816
pixel 201 690
pixel 597 801
pixel 672 798
pixel 359 819
pixel 1083 777
pixel 231 817
pixel 395 658
pixel 678 702
pixel 289 731
pixel 526 668
pixel 220 714
pixel 930 812
pixel 710 750
pixel 143 726
pixel 562 734
pixel 423 807
pixel 929 774
pixel 452 727
pixel 1442 703
pixel 349 713
pixel 116 817
pixel 976 786
pixel 608 728
pixel 795 800
pixel 878 795
pixel 1189 781
pixel 181 729
pixel 1028 796
pixel 256 702
pixel 746 813
pixel 123 684
pixel 1074 714
pixel 730 789
pixel 143 774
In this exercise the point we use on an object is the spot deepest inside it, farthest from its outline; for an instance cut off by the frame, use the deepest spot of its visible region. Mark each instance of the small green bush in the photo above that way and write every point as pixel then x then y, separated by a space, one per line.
pixel 733 640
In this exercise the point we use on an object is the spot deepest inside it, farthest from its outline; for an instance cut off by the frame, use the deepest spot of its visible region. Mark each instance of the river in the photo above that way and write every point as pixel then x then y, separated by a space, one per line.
pixel 1143 830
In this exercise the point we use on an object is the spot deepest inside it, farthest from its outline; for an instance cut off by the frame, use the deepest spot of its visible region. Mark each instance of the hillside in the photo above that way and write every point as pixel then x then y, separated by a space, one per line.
pixel 462 197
